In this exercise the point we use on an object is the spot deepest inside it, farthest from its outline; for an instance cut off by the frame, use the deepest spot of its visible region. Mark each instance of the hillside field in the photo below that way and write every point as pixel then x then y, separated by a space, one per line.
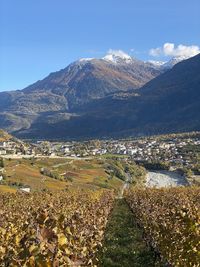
pixel 69 174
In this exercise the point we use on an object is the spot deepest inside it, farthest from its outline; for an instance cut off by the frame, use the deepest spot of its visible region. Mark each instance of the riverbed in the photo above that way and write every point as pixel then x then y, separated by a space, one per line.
pixel 159 179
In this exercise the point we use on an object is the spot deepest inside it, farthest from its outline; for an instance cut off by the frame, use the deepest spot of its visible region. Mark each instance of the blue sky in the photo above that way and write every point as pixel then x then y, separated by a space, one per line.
pixel 41 36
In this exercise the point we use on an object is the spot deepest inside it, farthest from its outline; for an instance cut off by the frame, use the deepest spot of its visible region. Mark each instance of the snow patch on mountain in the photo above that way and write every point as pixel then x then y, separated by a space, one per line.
pixel 116 56
pixel 173 61
pixel 168 64
pixel 156 63
pixel 86 59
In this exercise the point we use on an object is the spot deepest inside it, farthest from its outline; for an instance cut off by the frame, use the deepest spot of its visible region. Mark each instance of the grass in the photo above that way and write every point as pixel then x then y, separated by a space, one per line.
pixel 48 162
pixel 7 189
pixel 107 182
pixel 123 245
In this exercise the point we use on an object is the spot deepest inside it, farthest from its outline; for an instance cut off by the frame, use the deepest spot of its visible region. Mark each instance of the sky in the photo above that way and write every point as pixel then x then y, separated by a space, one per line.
pixel 41 36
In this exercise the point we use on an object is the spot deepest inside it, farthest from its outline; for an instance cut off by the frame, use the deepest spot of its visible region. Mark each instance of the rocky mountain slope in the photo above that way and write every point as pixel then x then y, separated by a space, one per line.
pixel 168 103
pixel 113 96
pixel 80 83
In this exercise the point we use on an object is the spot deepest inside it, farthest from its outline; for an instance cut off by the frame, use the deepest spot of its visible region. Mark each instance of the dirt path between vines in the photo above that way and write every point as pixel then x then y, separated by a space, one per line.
pixel 125 186
pixel 124 245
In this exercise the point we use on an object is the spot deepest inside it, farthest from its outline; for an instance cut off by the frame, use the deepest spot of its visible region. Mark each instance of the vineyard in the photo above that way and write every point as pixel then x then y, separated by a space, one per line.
pixel 52 229
pixel 171 222
pixel 57 174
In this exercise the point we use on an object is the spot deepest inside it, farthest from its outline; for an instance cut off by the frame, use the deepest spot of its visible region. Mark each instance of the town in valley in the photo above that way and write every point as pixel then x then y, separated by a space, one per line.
pixel 178 153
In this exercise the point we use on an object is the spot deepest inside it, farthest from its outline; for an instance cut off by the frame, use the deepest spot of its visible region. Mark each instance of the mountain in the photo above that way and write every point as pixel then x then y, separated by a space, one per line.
pixel 168 103
pixel 113 96
pixel 172 100
pixel 158 64
pixel 165 65
pixel 175 60
pixel 55 97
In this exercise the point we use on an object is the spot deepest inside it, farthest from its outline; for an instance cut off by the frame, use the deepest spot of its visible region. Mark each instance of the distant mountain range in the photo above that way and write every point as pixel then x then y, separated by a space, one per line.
pixel 81 82
pixel 168 64
pixel 113 96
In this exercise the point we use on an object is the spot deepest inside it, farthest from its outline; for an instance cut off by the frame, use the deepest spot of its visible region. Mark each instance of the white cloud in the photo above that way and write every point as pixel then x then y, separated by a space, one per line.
pixel 155 52
pixel 116 56
pixel 169 49
pixel 118 53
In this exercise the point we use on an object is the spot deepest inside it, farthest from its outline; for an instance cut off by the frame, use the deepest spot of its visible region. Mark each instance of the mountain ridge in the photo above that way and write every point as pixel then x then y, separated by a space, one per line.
pixel 117 112
pixel 79 83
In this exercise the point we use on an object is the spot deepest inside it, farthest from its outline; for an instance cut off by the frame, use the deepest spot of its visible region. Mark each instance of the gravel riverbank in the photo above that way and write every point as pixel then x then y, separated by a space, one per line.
pixel 160 179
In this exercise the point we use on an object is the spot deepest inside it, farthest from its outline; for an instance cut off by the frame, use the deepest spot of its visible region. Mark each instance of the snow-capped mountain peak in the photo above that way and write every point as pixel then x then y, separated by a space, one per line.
pixel 173 61
pixel 156 63
pixel 86 59
pixel 116 56
pixel 168 64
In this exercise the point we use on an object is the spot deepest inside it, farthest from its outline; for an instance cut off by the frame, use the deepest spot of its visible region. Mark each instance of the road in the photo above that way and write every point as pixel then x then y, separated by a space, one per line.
pixel 62 164
pixel 38 157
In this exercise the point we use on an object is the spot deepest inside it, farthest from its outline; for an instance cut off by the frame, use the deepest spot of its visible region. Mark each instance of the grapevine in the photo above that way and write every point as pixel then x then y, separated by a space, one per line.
pixel 171 221
pixel 53 229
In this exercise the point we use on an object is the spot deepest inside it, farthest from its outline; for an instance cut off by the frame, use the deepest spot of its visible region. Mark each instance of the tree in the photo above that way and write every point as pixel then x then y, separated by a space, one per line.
pixel 1 163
